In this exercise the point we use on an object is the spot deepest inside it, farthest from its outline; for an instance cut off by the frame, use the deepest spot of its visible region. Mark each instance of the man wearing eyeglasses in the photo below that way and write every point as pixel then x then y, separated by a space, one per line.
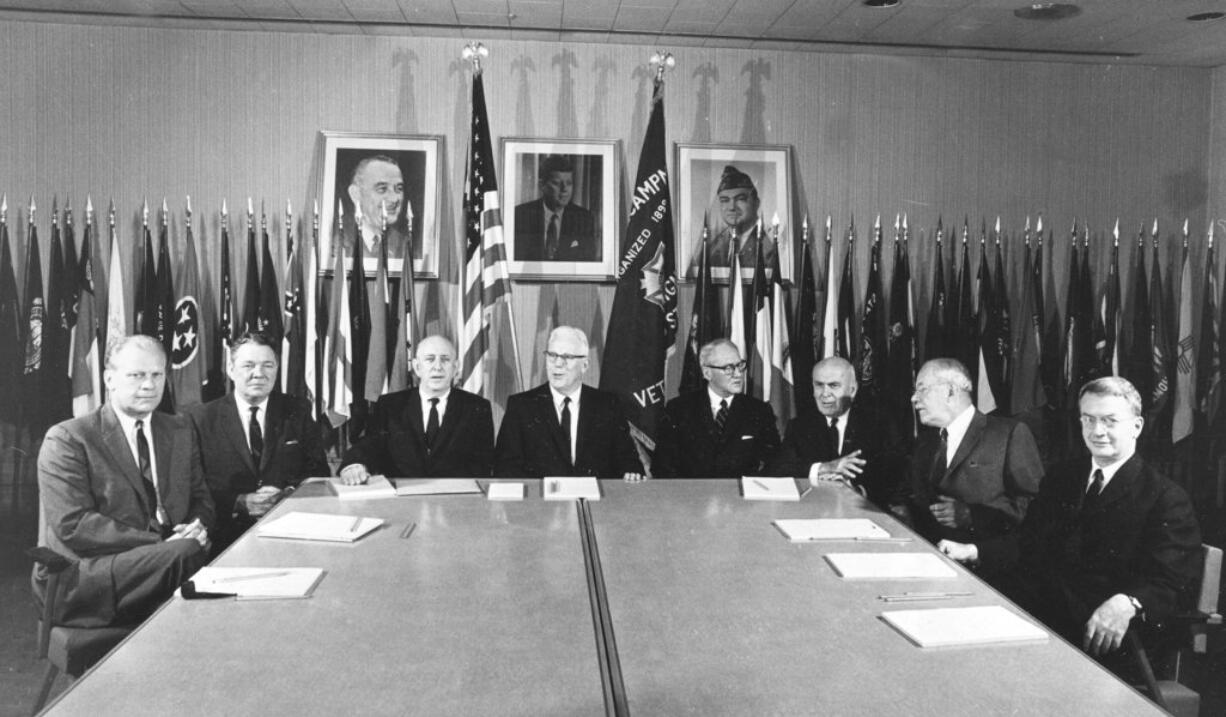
pixel 1108 543
pixel 975 475
pixel 716 432
pixel 432 431
pixel 259 445
pixel 564 427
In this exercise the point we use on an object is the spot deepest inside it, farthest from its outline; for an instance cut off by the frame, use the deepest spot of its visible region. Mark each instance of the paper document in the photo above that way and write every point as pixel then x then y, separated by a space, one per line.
pixel 258 583
pixel 374 487
pixel 570 488
pixel 505 491
pixel 318 526
pixel 942 627
pixel 889 566
pixel 435 486
pixel 769 489
pixel 804 530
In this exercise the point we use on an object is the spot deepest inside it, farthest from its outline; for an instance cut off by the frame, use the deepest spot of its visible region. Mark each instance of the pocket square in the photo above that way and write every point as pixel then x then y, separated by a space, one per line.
pixel 747 438
pixel 574 243
pixel 291 443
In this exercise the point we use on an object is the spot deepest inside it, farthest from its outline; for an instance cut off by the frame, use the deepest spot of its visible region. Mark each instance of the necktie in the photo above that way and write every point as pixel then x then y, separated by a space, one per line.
pixel 255 436
pixel 832 431
pixel 146 474
pixel 939 462
pixel 565 423
pixel 432 424
pixel 1094 492
pixel 721 416
pixel 551 238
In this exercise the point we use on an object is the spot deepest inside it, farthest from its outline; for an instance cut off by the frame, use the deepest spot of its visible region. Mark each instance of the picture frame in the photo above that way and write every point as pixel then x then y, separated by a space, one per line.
pixel 585 247
pixel 702 169
pixel 418 159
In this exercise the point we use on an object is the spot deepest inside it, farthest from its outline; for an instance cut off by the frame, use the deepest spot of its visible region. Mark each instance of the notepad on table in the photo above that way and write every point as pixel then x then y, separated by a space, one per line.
pixel 436 486
pixel 505 491
pixel 318 526
pixel 374 487
pixel 258 583
pixel 570 488
pixel 769 489
pixel 947 626
pixel 889 566
pixel 802 530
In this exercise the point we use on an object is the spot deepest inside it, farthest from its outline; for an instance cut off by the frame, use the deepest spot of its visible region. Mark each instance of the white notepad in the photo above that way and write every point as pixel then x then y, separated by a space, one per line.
pixel 258 583
pixel 318 526
pixel 570 488
pixel 889 566
pixel 374 487
pixel 946 626
pixel 436 486
pixel 802 530
pixel 505 491
pixel 769 489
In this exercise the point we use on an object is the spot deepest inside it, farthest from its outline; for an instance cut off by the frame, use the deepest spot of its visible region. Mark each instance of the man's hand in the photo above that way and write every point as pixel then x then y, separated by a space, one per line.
pixel 1106 627
pixel 951 512
pixel 260 502
pixel 634 477
pixel 194 530
pixel 354 474
pixel 965 553
pixel 846 467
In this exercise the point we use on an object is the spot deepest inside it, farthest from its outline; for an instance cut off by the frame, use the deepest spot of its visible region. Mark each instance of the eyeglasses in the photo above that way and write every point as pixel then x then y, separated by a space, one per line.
pixel 1107 422
pixel 731 369
pixel 563 358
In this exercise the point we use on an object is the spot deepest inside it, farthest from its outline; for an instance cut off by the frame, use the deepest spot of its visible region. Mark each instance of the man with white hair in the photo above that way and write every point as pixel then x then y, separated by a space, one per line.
pixel 564 427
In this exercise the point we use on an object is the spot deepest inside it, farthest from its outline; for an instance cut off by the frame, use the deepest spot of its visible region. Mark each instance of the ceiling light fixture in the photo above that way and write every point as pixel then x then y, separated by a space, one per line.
pixel 882 3
pixel 1206 16
pixel 1047 11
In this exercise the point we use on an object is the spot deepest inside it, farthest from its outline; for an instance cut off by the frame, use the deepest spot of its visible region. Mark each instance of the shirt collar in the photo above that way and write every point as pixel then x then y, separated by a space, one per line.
pixel 1109 471
pixel 128 423
pixel 957 428
pixel 558 395
pixel 715 398
pixel 244 408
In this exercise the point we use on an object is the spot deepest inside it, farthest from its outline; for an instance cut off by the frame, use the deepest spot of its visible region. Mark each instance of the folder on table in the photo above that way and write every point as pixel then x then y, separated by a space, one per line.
pixel 889 566
pixel 803 530
pixel 570 488
pixel 374 487
pixel 948 626
pixel 436 486
pixel 769 489
pixel 505 491
pixel 257 583
pixel 318 526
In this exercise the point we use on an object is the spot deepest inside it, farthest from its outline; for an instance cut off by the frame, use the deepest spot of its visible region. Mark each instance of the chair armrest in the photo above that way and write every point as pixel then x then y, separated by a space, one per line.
pixel 49 559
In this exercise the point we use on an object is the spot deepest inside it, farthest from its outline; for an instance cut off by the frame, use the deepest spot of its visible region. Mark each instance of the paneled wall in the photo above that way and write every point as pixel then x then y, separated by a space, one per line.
pixel 128 113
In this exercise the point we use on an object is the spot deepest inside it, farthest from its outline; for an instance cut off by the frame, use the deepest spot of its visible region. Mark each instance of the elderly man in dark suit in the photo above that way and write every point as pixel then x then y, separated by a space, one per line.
pixel 1108 543
pixel 432 431
pixel 123 496
pixel 975 476
pixel 716 432
pixel 840 440
pixel 564 427
pixel 261 444
pixel 553 227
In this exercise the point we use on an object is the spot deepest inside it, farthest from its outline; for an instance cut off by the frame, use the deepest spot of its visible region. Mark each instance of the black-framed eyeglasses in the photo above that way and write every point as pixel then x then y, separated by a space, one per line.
pixel 731 369
pixel 564 358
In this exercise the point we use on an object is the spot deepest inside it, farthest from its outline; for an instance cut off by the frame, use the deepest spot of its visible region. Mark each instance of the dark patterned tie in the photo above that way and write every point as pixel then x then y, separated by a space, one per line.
pixel 432 424
pixel 551 238
pixel 833 432
pixel 939 462
pixel 255 436
pixel 146 475
pixel 565 424
pixel 1094 492
pixel 721 416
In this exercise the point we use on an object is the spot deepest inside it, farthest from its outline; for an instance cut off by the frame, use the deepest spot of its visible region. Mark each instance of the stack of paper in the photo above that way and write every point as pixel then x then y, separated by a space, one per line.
pixel 374 487
pixel 889 566
pixel 946 626
pixel 769 489
pixel 804 530
pixel 318 526
pixel 436 486
pixel 565 488
pixel 505 491
pixel 258 583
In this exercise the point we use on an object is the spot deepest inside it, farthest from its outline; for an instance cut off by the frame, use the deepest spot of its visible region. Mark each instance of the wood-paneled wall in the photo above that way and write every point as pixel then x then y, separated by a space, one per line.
pixel 130 112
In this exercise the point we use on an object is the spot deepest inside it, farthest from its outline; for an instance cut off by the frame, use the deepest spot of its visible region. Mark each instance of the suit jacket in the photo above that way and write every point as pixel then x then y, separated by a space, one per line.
pixel 996 472
pixel 531 443
pixel 395 240
pixel 293 450
pixel 93 499
pixel 1140 538
pixel 395 439
pixel 577 240
pixel 690 446
pixel 806 441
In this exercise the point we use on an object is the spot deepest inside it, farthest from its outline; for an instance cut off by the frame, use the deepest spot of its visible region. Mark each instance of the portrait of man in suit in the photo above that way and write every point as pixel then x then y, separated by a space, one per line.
pixel 553 227
pixel 261 444
pixel 433 431
pixel 370 182
pixel 123 496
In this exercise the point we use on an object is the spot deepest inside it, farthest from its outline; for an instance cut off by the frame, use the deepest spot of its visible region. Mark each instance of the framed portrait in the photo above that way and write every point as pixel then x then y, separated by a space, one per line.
pixel 365 174
pixel 732 188
pixel 561 222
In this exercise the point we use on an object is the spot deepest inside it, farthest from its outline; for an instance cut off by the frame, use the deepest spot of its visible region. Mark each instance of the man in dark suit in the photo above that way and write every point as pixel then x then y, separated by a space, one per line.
pixel 975 476
pixel 842 441
pixel 564 427
pixel 716 432
pixel 123 496
pixel 1108 543
pixel 554 228
pixel 260 444
pixel 433 431
pixel 740 210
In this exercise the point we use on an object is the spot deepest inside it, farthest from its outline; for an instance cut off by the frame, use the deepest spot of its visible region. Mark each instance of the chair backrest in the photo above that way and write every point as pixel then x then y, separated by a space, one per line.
pixel 1211 581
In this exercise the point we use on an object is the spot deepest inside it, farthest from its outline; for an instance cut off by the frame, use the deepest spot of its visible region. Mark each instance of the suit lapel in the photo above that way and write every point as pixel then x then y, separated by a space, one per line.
pixel 163 450
pixel 452 418
pixel 413 420
pixel 121 452
pixel 1122 483
pixel 233 429
pixel 274 419
pixel 973 433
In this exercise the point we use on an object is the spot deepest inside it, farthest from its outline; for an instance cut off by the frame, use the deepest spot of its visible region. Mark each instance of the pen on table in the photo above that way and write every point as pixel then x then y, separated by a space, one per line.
pixel 408 530
pixel 761 485
pixel 882 540
pixel 806 491
pixel 917 597
pixel 357 522
pixel 252 576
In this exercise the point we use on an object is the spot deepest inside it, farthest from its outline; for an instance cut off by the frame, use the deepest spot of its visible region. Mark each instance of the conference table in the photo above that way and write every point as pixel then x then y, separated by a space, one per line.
pixel 661 598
